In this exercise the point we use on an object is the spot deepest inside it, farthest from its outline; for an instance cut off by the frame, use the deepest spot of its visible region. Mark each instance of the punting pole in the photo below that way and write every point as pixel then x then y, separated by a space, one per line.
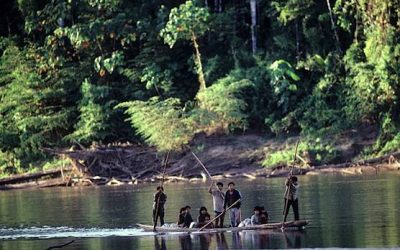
pixel 201 164
pixel 211 221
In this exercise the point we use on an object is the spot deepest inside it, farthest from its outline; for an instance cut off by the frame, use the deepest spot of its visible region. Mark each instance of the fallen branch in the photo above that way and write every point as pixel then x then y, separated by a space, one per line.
pixel 61 246
pixel 32 176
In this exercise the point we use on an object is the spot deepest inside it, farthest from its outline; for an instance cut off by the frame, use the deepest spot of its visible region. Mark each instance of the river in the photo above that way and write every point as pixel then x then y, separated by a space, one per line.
pixel 348 212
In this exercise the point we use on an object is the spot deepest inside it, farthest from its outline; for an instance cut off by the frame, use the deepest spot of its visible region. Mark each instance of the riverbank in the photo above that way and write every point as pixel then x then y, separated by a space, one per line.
pixel 228 156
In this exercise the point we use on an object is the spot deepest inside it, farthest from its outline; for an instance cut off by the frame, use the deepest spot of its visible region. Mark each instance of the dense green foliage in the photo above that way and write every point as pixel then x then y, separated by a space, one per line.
pixel 309 150
pixel 70 69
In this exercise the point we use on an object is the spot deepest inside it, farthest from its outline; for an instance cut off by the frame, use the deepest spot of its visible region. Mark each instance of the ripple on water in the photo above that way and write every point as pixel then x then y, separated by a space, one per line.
pixel 46 232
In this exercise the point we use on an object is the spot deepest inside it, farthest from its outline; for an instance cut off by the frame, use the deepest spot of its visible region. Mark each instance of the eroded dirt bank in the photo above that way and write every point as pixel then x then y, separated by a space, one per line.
pixel 232 156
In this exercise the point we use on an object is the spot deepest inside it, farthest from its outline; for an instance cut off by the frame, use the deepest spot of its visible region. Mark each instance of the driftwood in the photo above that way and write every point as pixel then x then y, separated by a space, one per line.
pixel 61 246
pixel 121 162
pixel 37 184
pixel 132 164
pixel 53 173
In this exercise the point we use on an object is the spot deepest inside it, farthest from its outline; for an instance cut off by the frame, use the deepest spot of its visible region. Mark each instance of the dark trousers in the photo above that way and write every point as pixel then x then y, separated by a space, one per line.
pixel 295 205
pixel 220 221
pixel 159 214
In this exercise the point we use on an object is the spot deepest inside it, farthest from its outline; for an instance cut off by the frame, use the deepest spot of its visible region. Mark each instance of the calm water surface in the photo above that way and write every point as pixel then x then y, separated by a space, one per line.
pixel 355 211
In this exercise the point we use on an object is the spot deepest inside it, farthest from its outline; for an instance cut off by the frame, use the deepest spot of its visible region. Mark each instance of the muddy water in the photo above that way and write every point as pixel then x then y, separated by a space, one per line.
pixel 355 211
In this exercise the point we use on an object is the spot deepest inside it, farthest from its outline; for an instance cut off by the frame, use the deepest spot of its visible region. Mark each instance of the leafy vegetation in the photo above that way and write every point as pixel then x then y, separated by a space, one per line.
pixel 98 71
pixel 310 151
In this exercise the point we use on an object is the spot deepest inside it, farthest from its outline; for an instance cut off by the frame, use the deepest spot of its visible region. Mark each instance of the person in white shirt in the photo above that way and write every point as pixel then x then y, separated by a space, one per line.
pixel 218 201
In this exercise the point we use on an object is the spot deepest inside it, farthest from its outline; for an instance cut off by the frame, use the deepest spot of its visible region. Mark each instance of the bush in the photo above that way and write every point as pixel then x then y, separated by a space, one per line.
pixel 221 105
pixel 313 151
pixel 162 123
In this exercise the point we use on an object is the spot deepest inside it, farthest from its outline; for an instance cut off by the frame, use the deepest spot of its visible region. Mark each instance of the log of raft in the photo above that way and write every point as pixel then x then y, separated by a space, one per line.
pixel 291 225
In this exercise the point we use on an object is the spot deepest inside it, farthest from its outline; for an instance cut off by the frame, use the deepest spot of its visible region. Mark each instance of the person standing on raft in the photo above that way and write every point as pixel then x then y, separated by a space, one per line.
pixel 291 197
pixel 160 198
pixel 218 201
pixel 231 196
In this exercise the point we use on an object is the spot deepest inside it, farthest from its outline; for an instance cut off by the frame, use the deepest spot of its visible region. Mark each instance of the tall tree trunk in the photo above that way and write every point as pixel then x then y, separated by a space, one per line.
pixel 198 63
pixel 8 26
pixel 217 6
pixel 334 26
pixel 206 3
pixel 253 9
pixel 297 41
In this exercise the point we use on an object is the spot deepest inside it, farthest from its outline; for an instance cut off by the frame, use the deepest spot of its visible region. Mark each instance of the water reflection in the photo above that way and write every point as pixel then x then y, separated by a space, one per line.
pixel 205 241
pixel 268 239
pixel 357 211
pixel 258 239
pixel 293 240
pixel 234 240
pixel 159 243
pixel 185 241
pixel 221 242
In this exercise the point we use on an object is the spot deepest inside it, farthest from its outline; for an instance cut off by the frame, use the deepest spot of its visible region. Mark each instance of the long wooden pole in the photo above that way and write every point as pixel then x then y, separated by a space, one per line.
pixel 159 196
pixel 295 156
pixel 289 186
pixel 201 164
pixel 216 217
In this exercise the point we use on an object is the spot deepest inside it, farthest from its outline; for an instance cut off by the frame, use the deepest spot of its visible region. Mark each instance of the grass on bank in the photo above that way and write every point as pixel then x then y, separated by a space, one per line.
pixel 312 151
pixel 318 151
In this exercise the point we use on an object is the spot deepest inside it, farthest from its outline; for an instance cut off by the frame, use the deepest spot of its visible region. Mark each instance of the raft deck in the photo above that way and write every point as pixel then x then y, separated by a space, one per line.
pixel 292 225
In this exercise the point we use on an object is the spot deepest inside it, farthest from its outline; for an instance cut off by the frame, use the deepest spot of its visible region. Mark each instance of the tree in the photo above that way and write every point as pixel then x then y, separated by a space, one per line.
pixel 162 123
pixel 34 108
pixel 188 22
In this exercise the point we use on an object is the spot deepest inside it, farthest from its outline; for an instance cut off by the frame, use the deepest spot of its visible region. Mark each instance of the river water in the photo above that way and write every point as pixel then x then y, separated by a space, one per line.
pixel 348 212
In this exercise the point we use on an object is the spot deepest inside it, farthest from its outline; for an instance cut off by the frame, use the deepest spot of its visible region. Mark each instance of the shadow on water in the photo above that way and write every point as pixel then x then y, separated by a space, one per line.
pixel 221 242
pixel 159 243
pixel 236 240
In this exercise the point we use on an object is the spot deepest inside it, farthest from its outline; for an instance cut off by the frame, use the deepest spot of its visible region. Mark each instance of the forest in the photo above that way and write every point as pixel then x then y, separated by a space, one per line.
pixel 94 72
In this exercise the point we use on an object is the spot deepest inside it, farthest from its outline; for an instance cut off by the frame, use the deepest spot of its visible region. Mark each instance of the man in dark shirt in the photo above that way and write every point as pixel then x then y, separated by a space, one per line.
pixel 291 197
pixel 158 206
pixel 232 196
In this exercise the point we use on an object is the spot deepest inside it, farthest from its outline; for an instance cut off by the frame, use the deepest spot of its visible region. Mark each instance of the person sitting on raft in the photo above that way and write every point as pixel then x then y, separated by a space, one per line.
pixel 187 217
pixel 204 218
pixel 259 217
pixel 256 218
pixel 201 219
pixel 207 220
pixel 253 220
pixel 181 218
pixel 263 216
